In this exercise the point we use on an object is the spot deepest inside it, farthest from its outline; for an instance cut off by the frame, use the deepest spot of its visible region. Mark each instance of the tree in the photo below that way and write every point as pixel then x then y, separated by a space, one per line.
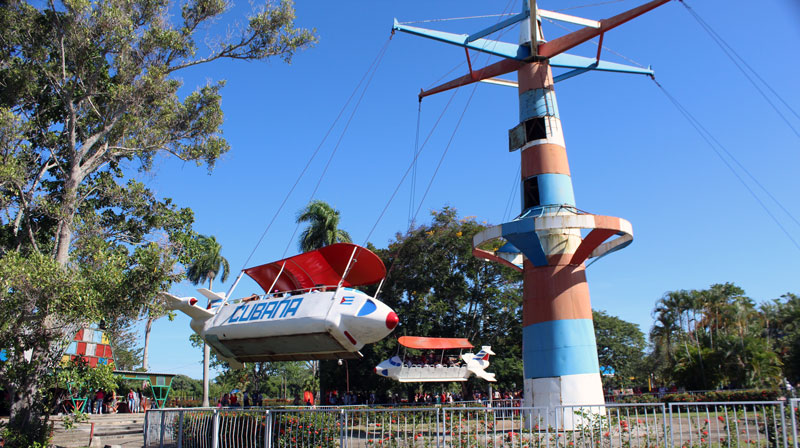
pixel 620 350
pixel 323 226
pixel 706 339
pixel 122 337
pixel 438 288
pixel 89 90
pixel 782 329
pixel 206 265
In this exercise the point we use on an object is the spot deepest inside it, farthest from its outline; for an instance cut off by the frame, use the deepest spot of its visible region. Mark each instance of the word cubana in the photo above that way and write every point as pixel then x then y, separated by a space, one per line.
pixel 269 310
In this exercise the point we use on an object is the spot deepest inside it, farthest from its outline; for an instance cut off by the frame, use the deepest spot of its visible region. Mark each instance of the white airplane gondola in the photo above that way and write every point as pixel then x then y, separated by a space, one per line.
pixel 447 369
pixel 310 311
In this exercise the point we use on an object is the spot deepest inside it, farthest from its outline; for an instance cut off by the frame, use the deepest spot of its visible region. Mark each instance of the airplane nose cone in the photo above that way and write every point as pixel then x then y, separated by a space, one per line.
pixel 392 320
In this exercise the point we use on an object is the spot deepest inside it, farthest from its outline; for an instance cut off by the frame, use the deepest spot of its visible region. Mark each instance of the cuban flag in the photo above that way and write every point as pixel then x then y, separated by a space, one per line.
pixel 347 300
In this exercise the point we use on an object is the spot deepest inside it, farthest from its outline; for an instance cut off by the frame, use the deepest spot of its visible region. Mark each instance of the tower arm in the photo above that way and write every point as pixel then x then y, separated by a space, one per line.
pixel 582 64
pixel 490 71
pixel 499 26
pixel 564 43
pixel 497 48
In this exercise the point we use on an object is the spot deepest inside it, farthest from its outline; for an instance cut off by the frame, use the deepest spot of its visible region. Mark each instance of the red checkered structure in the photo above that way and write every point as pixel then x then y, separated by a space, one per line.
pixel 92 345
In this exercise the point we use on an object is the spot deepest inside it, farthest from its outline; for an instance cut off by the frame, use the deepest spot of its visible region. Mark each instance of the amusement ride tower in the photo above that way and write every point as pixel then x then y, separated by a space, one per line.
pixel 545 241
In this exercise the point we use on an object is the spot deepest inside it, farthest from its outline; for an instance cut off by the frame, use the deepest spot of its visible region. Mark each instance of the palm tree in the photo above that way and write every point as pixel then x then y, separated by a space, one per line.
pixel 323 226
pixel 323 230
pixel 208 263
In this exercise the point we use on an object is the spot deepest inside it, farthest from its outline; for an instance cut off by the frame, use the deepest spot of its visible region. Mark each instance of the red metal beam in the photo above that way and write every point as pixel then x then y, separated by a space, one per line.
pixel 564 43
pixel 490 71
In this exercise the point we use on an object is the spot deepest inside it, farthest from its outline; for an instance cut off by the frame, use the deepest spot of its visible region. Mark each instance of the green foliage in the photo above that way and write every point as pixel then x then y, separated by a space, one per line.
pixel 782 322
pixel 307 429
pixel 182 385
pixel 323 226
pixel 125 343
pixel 207 262
pixel 723 395
pixel 707 339
pixel 439 289
pixel 620 350
pixel 82 380
pixel 90 91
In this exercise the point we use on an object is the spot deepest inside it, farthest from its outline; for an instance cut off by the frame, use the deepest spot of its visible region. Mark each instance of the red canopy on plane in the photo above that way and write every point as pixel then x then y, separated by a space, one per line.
pixel 323 266
pixel 433 343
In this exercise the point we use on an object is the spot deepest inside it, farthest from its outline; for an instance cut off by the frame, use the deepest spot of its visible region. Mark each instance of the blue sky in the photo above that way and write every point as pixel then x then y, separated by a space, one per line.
pixel 631 153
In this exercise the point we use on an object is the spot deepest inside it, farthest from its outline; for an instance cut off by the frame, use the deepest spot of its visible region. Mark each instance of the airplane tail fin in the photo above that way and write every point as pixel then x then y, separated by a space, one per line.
pixel 484 354
pixel 476 363
pixel 188 305
pixel 214 298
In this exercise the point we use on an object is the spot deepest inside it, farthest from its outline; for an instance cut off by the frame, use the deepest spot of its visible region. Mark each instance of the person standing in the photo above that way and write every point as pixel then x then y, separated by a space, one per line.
pixel 98 401
pixel 131 401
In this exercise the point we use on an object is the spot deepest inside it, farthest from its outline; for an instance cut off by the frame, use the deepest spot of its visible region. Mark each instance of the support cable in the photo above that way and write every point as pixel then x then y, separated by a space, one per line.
pixel 305 168
pixel 741 64
pixel 715 144
pixel 414 165
pixel 413 162
pixel 460 118
pixel 374 68
pixel 450 19
pixel 591 5
pixel 517 179
pixel 597 42
pixel 446 149
pixel 410 166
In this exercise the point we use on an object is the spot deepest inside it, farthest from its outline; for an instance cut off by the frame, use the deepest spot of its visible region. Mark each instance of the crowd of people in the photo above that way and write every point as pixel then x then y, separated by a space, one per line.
pixel 232 400
pixel 430 359
pixel 102 402
pixel 334 398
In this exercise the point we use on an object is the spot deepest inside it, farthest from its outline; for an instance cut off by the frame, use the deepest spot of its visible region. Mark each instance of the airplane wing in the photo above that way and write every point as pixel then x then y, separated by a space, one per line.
pixel 186 305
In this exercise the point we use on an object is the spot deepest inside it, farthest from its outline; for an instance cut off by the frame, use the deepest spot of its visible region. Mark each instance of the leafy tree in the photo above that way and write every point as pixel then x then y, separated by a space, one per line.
pixel 438 288
pixel 782 329
pixel 123 339
pixel 620 350
pixel 206 265
pixel 707 339
pixel 184 386
pixel 89 90
pixel 208 262
pixel 323 226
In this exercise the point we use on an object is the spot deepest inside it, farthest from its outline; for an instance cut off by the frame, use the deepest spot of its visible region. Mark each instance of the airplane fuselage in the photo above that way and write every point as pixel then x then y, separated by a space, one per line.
pixel 312 325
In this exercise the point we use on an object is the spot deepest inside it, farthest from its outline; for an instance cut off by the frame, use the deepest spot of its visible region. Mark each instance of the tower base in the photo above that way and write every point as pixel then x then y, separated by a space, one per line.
pixel 563 402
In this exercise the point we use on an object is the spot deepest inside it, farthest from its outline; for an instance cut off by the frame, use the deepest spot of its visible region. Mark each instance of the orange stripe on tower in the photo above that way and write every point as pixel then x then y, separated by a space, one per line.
pixel 544 158
pixel 534 76
pixel 558 292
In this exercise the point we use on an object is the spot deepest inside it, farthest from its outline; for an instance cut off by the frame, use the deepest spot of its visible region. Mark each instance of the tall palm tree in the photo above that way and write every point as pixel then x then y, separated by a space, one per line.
pixel 323 230
pixel 323 226
pixel 208 263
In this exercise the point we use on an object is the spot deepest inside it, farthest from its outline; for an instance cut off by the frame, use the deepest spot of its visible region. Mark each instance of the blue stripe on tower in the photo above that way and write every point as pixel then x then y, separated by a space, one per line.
pixel 555 189
pixel 537 103
pixel 558 348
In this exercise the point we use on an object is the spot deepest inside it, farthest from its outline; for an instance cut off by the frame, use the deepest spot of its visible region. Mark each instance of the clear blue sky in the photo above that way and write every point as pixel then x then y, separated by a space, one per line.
pixel 631 153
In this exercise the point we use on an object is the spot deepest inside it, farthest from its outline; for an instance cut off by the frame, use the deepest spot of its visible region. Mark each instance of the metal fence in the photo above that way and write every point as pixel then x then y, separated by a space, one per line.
pixel 771 424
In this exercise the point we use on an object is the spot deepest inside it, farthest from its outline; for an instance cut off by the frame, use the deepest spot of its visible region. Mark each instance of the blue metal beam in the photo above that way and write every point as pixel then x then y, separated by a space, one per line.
pixel 499 26
pixel 497 48
pixel 583 63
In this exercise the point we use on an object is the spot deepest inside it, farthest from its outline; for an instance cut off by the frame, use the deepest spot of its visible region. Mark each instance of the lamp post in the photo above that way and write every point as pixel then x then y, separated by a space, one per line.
pixel 346 373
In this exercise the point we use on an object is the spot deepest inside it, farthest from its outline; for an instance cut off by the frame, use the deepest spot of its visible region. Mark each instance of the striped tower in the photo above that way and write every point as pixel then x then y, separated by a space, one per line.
pixel 544 241
pixel 559 349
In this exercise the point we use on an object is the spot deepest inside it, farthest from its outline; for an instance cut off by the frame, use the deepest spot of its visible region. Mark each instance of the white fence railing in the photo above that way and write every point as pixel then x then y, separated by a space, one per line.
pixel 771 424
